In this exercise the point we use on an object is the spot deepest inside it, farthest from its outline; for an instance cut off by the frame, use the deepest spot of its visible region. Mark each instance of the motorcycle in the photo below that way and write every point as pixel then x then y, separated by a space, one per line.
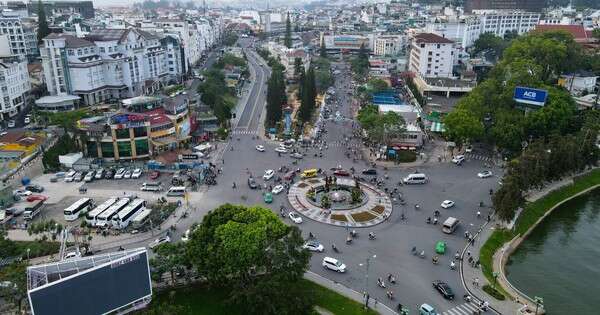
pixel 380 283
pixel 335 249
pixel 435 260
pixel 372 236
pixel 422 254
pixel 354 234
pixel 390 295
pixel 428 220
pixel 348 240
pixel 414 251
pixel 435 221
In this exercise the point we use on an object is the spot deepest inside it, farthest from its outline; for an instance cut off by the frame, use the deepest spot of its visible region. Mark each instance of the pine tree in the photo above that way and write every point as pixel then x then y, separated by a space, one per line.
pixel 309 93
pixel 288 32
pixel 298 66
pixel 323 50
pixel 43 29
pixel 276 97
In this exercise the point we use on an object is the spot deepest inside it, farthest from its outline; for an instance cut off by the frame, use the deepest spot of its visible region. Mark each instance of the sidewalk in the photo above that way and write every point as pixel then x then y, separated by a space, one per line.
pixel 468 274
pixel 347 292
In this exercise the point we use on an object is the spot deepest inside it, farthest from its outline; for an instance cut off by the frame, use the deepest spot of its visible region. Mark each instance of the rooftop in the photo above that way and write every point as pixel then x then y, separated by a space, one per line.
pixel 430 38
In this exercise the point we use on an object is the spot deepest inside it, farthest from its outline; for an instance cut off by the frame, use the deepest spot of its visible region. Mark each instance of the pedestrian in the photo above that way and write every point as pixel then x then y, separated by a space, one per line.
pixel 489 218
pixel 375 304
pixel 469 253
pixel 399 307
pixel 367 301
pixel 476 282
pixel 223 161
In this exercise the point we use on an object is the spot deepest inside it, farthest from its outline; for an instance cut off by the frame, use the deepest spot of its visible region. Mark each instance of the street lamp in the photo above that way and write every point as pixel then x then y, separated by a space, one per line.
pixel 495 275
pixel 368 261
pixel 539 301
pixel 28 250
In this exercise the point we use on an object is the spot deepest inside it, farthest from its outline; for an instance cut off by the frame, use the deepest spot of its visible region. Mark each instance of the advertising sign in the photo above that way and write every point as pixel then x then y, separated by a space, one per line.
pixel 530 96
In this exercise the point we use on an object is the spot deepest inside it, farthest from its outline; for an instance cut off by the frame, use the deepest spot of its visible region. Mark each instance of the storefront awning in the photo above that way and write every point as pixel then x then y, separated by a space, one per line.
pixel 438 127
pixel 164 141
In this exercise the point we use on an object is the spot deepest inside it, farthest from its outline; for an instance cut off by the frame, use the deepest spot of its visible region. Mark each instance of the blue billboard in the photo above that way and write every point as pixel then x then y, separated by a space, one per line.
pixel 530 96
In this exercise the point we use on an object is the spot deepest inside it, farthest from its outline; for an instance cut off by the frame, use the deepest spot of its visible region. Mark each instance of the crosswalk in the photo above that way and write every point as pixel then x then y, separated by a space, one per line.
pixel 473 156
pixel 340 144
pixel 462 309
pixel 245 132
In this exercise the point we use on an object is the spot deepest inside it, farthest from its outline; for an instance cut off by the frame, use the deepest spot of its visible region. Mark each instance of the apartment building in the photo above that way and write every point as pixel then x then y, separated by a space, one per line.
pixel 388 45
pixel 432 56
pixel 528 5
pixel 14 85
pixel 21 37
pixel 107 64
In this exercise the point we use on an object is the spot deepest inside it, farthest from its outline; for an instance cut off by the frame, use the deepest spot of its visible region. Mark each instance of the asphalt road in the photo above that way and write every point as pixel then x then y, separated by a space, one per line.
pixel 395 237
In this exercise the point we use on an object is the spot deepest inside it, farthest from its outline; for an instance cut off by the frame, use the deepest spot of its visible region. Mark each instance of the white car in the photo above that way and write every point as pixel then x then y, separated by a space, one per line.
pixel 11 124
pixel 160 240
pixel 314 246
pixel 127 174
pixel 485 174
pixel 281 150
pixel 89 176
pixel 22 192
pixel 260 148
pixel 119 174
pixel 27 120
pixel 296 218
pixel 334 264
pixel 268 174
pixel 277 189
pixel 186 236
pixel 458 159
pixel 447 204
pixel 99 173
pixel 136 173
pixel 468 149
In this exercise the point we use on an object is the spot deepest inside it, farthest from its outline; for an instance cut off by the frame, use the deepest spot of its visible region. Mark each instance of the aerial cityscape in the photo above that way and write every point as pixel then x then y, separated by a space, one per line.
pixel 208 157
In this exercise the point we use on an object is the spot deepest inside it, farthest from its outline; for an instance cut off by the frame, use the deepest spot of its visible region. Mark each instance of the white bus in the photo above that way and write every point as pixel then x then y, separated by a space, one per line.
pixel 122 219
pixel 176 191
pixel 33 209
pixel 152 186
pixel 104 219
pixel 90 218
pixel 80 207
pixel 141 217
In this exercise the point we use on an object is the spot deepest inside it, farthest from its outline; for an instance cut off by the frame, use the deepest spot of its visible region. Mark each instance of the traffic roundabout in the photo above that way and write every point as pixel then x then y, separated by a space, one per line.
pixel 340 201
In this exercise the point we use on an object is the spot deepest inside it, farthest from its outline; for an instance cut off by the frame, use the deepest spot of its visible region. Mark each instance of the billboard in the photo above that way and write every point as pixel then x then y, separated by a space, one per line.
pixel 530 96
pixel 98 289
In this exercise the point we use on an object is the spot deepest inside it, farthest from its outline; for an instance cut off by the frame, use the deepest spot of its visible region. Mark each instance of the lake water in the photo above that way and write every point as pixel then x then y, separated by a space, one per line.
pixel 560 260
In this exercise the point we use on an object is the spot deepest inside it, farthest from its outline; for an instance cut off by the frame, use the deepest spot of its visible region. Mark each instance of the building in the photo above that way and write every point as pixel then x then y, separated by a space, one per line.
pixel 580 34
pixel 432 56
pixel 527 5
pixel 346 42
pixel 388 45
pixel 579 83
pixel 83 8
pixel 14 85
pixel 287 57
pixel 21 37
pixel 467 29
pixel 107 64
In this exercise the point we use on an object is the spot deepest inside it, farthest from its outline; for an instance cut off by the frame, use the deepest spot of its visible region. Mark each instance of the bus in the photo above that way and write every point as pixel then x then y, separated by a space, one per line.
pixel 80 207
pixel 309 173
pixel 105 218
pixel 140 218
pixel 123 217
pixel 176 191
pixel 90 218
pixel 33 209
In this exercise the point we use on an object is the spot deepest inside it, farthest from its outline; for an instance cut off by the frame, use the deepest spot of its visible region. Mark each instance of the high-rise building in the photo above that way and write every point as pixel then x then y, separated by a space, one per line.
pixel 527 5
pixel 84 8
pixel 432 56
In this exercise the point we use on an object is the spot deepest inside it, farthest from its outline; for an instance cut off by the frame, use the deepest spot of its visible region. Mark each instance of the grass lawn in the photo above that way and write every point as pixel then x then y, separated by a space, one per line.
pixel 198 300
pixel 37 248
pixel 531 213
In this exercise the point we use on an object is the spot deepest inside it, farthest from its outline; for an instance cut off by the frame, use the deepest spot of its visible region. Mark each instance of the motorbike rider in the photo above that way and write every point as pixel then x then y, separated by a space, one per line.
pixel 234 185
pixel 372 235
pixel 428 220
pixel 334 247
pixel 452 265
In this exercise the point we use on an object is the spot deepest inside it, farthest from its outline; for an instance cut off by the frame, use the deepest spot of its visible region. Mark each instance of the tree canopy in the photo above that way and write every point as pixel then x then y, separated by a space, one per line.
pixel 380 126
pixel 251 250
pixel 288 32
pixel 43 29
pixel 276 97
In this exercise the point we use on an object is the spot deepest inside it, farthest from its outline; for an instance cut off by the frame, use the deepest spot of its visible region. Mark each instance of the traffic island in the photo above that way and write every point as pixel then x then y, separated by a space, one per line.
pixel 340 201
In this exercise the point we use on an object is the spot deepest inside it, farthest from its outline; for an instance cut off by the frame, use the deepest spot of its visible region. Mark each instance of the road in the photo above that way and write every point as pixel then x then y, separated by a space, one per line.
pixel 390 252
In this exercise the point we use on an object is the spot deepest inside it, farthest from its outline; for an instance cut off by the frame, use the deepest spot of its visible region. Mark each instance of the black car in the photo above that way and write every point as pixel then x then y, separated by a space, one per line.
pixel 252 183
pixel 370 171
pixel 444 289
pixel 34 188
pixel 109 174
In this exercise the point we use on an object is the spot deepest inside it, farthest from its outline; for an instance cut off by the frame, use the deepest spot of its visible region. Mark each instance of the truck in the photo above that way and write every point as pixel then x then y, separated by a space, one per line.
pixel 33 209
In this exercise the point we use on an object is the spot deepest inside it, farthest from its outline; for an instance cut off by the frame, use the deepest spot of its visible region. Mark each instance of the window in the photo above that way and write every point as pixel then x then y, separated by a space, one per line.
pixel 141 147
pixel 101 49
pixel 107 149
pixel 92 148
pixel 124 148
pixel 140 132
pixel 122 133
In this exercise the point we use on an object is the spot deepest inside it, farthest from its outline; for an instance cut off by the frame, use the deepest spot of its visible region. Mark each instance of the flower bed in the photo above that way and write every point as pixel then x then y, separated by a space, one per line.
pixel 339 217
pixel 363 216
pixel 378 209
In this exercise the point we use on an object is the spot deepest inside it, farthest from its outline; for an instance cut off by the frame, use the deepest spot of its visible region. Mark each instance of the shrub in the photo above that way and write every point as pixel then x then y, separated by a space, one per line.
pixel 405 156
pixel 493 292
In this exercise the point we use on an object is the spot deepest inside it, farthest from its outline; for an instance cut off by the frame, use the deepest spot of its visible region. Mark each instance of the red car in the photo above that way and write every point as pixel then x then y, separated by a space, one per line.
pixel 154 174
pixel 340 172
pixel 32 198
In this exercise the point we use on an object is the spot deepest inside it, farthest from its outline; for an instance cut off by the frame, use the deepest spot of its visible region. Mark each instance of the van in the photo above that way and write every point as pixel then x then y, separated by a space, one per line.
pixel 152 186
pixel 333 264
pixel 70 176
pixel 450 225
pixel 416 178
pixel 427 309
pixel 309 173
pixel 289 175
pixel 176 191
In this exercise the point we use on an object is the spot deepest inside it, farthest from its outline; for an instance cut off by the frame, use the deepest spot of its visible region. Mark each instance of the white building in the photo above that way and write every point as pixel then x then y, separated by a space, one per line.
pixel 388 45
pixel 108 64
pixel 14 85
pixel 432 56
pixel 21 38
pixel 347 41
pixel 468 28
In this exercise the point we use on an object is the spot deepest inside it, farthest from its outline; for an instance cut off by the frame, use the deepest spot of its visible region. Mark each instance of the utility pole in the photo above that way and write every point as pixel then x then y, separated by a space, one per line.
pixel 368 261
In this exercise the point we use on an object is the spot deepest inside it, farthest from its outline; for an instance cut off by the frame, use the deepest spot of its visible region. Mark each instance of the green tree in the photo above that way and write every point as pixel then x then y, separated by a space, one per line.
pixel 43 29
pixel 288 32
pixel 323 50
pixel 360 63
pixel 276 97
pixel 308 102
pixel 298 66
pixel 170 257
pixel 490 42
pixel 376 85
pixel 255 253
pixel 462 126
pixel 380 127
pixel 16 274
pixel 8 248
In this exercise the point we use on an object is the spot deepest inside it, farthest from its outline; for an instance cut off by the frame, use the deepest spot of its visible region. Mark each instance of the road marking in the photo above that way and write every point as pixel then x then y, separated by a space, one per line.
pixel 462 309
pixel 260 88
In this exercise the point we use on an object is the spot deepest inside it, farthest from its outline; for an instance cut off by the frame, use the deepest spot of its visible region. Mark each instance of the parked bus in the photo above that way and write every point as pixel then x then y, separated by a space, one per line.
pixel 80 207
pixel 104 219
pixel 152 186
pixel 33 209
pixel 176 191
pixel 90 218
pixel 123 217
pixel 140 218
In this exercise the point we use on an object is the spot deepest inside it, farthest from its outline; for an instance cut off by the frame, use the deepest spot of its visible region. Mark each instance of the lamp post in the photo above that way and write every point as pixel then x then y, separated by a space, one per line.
pixel 495 275
pixel 368 261
pixel 539 301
